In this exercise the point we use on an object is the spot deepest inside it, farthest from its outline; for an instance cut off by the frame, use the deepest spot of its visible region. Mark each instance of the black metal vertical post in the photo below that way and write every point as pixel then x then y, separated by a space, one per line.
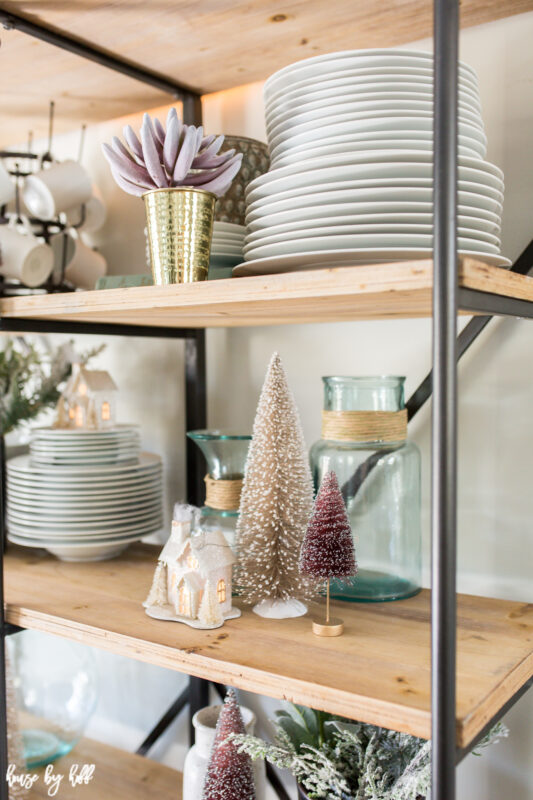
pixel 3 693
pixel 444 420
pixel 196 411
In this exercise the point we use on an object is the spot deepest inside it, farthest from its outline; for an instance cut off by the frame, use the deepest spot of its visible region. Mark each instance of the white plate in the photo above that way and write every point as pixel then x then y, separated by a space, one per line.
pixel 68 446
pixel 118 430
pixel 324 92
pixel 302 156
pixel 79 552
pixel 359 212
pixel 331 131
pixel 328 63
pixel 148 462
pixel 224 250
pixel 354 214
pixel 356 173
pixel 58 480
pixel 358 241
pixel 402 163
pixel 301 198
pixel 353 77
pixel 104 525
pixel 350 227
pixel 228 227
pixel 82 520
pixel 231 240
pixel 80 496
pixel 347 258
pixel 401 102
pixel 390 188
pixel 29 500
pixel 58 530
pixel 368 120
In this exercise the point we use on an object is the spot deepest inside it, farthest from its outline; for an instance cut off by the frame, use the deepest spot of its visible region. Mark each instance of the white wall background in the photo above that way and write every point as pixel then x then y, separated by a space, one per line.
pixel 496 394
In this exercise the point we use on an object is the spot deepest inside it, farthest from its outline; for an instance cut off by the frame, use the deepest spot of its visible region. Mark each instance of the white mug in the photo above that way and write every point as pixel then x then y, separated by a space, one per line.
pixel 56 189
pixel 23 257
pixel 84 266
pixel 94 218
pixel 7 186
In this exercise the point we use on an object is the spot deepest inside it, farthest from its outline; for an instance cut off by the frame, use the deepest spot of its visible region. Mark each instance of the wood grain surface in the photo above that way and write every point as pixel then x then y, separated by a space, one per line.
pixel 377 672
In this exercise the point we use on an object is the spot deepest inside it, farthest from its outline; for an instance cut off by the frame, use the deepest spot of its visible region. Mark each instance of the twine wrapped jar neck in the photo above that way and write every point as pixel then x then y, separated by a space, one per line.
pixel 364 409
pixel 223 494
pixel 365 426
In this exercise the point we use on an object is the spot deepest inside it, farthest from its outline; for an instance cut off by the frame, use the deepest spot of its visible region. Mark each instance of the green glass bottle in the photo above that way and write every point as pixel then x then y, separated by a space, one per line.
pixel 364 442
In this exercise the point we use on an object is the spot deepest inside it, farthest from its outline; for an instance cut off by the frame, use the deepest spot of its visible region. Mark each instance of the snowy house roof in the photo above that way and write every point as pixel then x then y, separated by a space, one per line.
pixel 192 580
pixel 173 550
pixel 212 550
pixel 98 380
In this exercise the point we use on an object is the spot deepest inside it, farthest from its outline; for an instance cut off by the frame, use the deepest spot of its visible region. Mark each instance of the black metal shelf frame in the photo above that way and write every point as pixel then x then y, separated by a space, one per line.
pixel 442 381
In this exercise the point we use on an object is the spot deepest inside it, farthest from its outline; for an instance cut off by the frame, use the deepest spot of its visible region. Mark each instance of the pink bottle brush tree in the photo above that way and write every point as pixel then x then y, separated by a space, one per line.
pixel 229 772
pixel 179 155
pixel 327 549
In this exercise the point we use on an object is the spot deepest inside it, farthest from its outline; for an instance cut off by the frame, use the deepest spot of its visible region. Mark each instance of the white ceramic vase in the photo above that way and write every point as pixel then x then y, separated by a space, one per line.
pixel 197 758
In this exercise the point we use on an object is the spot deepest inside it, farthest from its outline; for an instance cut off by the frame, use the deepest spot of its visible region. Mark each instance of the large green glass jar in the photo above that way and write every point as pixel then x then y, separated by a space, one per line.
pixel 364 428
pixel 225 453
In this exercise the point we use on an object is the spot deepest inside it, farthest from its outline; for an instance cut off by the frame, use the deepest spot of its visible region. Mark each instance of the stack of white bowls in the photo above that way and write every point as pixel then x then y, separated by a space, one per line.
pixel 351 139
pixel 226 248
pixel 84 495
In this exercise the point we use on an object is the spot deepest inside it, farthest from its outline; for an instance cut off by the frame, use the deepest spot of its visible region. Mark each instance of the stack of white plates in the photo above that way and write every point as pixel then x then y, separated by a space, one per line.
pixel 83 513
pixel 226 248
pixel 351 180
pixel 64 447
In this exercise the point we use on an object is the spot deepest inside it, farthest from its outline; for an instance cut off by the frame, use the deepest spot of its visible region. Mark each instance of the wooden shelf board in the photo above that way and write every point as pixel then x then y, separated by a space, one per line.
pixel 378 672
pixel 117 776
pixel 227 44
pixel 379 291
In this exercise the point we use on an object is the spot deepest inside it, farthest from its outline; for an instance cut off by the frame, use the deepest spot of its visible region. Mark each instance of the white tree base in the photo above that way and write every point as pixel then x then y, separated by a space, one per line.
pixel 280 609
pixel 167 613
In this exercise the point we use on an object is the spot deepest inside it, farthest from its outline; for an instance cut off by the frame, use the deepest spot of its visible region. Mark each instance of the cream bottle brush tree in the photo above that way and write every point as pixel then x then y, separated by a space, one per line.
pixel 276 503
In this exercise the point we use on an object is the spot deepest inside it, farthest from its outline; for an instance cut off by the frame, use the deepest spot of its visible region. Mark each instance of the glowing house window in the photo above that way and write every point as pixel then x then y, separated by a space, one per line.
pixel 184 602
pixel 79 416
pixel 71 413
pixel 221 591
pixel 106 411
pixel 192 562
pixel 82 389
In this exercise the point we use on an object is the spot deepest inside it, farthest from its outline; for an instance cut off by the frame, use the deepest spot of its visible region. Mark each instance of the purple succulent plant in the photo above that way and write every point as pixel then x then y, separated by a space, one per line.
pixel 179 156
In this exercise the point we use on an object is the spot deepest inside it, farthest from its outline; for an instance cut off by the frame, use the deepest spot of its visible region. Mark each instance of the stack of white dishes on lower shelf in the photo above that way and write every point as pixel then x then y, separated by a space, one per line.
pixel 226 249
pixel 351 178
pixel 84 495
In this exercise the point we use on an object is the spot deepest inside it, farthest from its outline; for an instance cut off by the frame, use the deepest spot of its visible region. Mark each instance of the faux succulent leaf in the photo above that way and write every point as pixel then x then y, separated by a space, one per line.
pixel 186 155
pixel 151 154
pixel 127 168
pixel 221 184
pixel 159 131
pixel 133 142
pixel 170 149
pixel 211 162
pixel 127 186
pixel 296 733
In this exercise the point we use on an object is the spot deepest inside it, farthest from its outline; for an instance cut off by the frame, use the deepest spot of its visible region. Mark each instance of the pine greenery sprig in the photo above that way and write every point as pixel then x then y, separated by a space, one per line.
pixel 30 381
pixel 334 759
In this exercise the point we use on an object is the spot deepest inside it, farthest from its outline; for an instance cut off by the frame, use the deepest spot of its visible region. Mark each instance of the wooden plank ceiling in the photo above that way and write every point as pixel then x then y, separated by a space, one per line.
pixel 208 44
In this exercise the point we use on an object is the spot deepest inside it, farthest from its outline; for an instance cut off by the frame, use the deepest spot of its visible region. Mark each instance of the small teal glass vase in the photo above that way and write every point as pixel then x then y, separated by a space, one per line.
pixel 225 453
pixel 364 428
pixel 56 685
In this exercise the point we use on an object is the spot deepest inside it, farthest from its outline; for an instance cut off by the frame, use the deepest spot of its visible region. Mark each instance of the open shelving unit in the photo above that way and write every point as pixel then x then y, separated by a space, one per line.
pixel 438 665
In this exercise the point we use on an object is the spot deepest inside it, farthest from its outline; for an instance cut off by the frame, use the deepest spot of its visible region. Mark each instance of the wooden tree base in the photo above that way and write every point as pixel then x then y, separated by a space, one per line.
pixel 335 627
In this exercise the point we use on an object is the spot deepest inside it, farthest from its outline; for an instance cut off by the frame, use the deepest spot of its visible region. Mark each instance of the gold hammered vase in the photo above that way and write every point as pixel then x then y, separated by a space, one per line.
pixel 180 228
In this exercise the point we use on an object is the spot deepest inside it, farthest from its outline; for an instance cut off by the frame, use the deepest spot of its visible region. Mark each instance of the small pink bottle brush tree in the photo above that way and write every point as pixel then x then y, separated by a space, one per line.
pixel 327 549
pixel 163 159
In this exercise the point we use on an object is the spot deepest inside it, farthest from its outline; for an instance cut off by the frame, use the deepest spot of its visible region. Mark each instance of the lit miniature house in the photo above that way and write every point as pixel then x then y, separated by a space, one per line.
pixel 88 401
pixel 192 581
